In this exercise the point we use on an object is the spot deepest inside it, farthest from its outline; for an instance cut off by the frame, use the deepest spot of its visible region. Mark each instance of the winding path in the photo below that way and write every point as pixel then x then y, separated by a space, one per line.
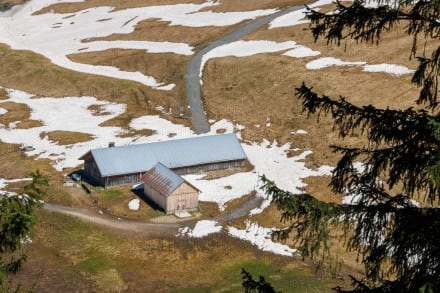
pixel 201 125
pixel 193 79
pixel 146 228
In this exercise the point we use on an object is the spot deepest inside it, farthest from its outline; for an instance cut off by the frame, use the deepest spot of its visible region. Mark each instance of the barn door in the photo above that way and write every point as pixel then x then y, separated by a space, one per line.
pixel 181 203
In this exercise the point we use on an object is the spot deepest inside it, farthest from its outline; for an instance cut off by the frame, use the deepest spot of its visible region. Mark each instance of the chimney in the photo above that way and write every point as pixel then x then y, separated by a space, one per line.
pixel 111 144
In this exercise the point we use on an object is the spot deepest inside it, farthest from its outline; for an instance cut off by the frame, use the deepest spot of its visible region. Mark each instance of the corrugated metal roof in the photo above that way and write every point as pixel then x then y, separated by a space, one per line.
pixel 171 153
pixel 162 179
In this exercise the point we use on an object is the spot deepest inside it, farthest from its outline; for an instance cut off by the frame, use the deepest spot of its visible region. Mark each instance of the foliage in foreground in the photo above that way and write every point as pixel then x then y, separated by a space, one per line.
pixel 16 221
pixel 397 239
pixel 252 286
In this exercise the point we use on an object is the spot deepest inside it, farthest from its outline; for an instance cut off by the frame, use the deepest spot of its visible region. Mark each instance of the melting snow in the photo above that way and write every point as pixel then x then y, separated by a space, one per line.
pixel 330 61
pixel 386 68
pixel 5 182
pixel 201 229
pixel 268 158
pixel 301 52
pixel 245 48
pixel 261 237
pixel 299 131
pixel 296 17
pixel 57 35
pixel 257 235
pixel 134 204
pixel 81 119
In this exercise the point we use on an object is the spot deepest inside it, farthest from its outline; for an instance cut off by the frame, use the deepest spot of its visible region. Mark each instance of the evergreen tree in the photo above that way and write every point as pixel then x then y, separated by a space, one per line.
pixel 398 240
pixel 252 286
pixel 16 221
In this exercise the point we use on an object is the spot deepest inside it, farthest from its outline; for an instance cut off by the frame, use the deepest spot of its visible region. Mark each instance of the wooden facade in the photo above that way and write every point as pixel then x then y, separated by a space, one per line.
pixel 183 198
pixel 210 167
pixel 91 172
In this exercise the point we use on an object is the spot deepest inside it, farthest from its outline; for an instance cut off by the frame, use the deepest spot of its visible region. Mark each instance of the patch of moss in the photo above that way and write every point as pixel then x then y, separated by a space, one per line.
pixel 93 264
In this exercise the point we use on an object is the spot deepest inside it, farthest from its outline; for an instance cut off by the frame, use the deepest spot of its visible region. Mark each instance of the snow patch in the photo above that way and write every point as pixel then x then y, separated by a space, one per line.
pixel 245 48
pixel 299 131
pixel 4 183
pixel 330 61
pixel 296 17
pixel 201 229
pixel 58 35
pixel 134 204
pixel 261 237
pixel 388 68
pixel 301 52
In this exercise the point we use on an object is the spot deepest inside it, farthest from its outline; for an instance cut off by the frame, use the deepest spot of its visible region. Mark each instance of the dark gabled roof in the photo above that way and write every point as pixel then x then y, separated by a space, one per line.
pixel 172 154
pixel 162 179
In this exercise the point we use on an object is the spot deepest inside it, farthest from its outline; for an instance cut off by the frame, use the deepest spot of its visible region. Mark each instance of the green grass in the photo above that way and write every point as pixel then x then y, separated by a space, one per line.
pixel 111 193
pixel 282 279
pixel 85 257
pixel 94 264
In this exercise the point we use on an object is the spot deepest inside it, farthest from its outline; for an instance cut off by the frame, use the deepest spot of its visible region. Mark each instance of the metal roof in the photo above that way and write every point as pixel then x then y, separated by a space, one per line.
pixel 162 179
pixel 171 153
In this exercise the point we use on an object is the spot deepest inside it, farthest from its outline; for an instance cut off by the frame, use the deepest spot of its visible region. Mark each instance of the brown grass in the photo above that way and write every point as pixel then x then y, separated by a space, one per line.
pixel 235 203
pixel 13 2
pixel 15 164
pixel 250 91
pixel 3 94
pixel 18 112
pixel 160 31
pixel 394 46
pixel 199 37
pixel 35 74
pixel 224 5
pixel 209 210
pixel 118 5
pixel 66 137
pixel 255 89
pixel 134 133
pixel 77 256
pixel 247 5
pixel 166 68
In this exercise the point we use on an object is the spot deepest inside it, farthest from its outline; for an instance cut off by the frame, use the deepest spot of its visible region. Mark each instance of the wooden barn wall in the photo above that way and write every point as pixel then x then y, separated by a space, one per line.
pixel 123 179
pixel 91 172
pixel 156 197
pixel 210 167
pixel 185 197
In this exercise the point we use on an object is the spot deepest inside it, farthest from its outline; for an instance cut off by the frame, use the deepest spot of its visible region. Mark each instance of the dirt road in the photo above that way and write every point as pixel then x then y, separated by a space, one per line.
pixel 146 228
pixel 193 84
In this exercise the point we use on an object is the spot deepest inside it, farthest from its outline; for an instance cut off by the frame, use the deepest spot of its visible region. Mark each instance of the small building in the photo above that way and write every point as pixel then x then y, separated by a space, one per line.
pixel 170 191
pixel 123 165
